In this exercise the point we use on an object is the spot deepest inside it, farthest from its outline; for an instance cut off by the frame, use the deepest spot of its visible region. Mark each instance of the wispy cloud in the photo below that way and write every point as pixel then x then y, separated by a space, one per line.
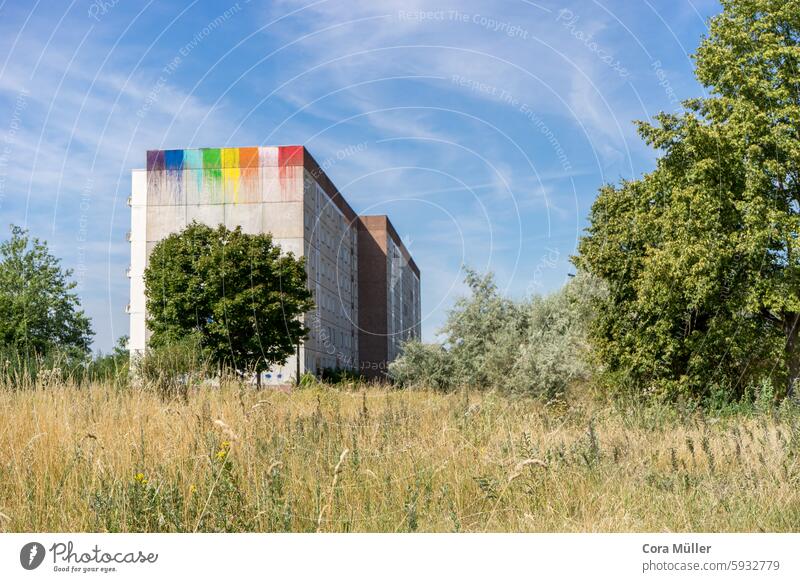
pixel 483 128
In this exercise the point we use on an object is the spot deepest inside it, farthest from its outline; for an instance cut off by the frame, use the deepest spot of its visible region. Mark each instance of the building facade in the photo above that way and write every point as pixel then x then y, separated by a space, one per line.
pixel 364 281
pixel 389 294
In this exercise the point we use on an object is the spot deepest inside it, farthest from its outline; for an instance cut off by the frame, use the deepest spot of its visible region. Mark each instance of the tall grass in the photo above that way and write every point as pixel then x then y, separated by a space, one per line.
pixel 373 459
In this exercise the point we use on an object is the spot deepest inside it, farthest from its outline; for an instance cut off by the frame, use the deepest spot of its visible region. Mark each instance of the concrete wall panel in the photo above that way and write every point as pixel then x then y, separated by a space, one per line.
pixel 290 245
pixel 283 219
pixel 270 184
pixel 268 157
pixel 290 179
pixel 210 214
pixel 193 186
pixel 249 187
pixel 248 216
pixel 164 220
pixel 155 187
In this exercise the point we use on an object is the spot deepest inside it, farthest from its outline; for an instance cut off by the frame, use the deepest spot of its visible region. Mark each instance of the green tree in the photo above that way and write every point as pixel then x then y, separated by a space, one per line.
pixel 236 291
pixel 40 315
pixel 701 255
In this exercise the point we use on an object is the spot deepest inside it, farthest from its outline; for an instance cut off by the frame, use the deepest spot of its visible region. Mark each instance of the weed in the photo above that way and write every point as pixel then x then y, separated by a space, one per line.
pixel 231 458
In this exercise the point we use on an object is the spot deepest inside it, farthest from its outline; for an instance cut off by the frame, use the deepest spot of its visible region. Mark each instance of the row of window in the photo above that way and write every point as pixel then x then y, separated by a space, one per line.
pixel 323 270
pixel 334 341
pixel 332 303
pixel 323 236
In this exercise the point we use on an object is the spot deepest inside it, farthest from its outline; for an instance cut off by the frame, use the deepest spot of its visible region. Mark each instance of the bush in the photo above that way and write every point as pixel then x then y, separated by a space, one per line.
pixel 113 368
pixel 340 376
pixel 170 369
pixel 483 333
pixel 536 346
pixel 423 365
pixel 555 352
pixel 21 370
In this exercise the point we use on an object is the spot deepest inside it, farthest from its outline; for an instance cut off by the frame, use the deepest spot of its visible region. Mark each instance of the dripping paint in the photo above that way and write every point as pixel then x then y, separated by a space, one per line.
pixel 222 175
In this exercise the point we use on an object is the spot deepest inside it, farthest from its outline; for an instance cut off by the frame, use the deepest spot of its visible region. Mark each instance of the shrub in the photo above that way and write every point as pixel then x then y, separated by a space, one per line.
pixel 554 352
pixel 423 365
pixel 536 346
pixel 483 332
pixel 113 368
pixel 171 368
pixel 340 376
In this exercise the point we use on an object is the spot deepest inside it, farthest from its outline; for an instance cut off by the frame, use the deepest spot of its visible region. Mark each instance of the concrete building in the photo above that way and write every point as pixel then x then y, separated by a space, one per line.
pixel 364 281
pixel 389 305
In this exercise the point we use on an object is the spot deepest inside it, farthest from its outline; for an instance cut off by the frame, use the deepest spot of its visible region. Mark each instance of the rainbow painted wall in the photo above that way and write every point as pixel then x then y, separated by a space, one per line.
pixel 224 175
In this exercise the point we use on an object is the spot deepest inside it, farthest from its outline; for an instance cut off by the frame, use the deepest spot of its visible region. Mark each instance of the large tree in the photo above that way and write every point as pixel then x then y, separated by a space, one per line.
pixel 701 255
pixel 39 312
pixel 237 292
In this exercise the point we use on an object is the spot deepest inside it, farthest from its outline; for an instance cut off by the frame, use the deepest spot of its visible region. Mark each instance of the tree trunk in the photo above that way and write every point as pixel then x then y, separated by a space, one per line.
pixel 258 380
pixel 297 365
pixel 791 329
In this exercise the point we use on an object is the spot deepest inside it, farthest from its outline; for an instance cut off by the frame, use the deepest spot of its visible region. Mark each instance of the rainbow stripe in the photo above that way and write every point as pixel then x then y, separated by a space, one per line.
pixel 216 175
pixel 222 158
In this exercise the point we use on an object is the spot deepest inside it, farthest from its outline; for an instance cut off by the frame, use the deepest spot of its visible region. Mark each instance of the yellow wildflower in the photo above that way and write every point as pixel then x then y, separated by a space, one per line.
pixel 224 449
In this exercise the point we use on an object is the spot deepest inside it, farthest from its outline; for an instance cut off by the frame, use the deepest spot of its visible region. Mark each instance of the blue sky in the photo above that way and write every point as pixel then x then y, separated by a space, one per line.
pixel 484 129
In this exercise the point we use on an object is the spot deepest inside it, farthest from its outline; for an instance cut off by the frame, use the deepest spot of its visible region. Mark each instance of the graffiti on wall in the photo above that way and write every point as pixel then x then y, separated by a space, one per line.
pixel 224 175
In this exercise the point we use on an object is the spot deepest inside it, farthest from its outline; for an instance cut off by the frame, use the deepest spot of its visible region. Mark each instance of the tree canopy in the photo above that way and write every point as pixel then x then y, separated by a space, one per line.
pixel 39 312
pixel 237 292
pixel 701 255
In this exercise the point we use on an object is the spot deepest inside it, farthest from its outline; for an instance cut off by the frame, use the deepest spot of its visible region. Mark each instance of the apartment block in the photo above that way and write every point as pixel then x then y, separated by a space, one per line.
pixel 364 281
pixel 389 301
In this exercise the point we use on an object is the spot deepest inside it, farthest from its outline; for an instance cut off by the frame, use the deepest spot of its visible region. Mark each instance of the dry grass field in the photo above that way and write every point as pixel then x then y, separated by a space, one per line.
pixel 372 459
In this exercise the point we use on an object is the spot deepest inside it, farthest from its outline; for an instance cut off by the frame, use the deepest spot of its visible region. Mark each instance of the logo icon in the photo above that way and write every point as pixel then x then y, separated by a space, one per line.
pixel 31 555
